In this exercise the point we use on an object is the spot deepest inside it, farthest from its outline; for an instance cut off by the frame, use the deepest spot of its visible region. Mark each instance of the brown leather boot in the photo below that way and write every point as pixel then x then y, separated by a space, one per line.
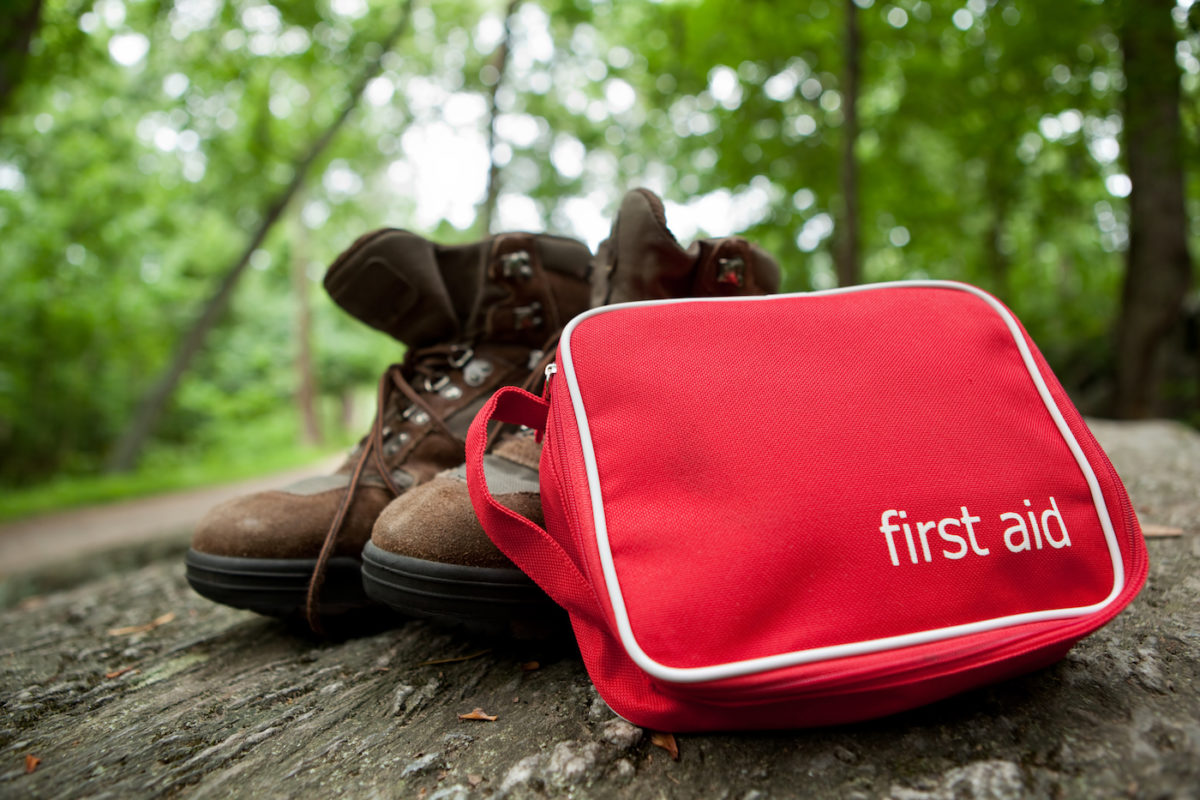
pixel 428 554
pixel 641 260
pixel 475 317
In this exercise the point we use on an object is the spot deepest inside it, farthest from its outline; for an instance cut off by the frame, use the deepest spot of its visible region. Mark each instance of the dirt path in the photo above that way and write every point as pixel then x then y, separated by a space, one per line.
pixel 39 542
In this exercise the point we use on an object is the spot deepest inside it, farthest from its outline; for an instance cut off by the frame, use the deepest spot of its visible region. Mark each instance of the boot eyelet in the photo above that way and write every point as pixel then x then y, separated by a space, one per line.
pixel 476 372
pixel 420 418
pixel 516 264
pixel 461 356
pixel 432 386
pixel 392 445
pixel 731 271
pixel 525 317
pixel 451 392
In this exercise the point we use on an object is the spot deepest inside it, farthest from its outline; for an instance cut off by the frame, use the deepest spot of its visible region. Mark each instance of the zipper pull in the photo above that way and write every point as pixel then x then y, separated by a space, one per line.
pixel 551 370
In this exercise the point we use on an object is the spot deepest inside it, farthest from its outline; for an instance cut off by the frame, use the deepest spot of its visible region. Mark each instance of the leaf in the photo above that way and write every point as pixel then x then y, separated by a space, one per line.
pixel 1160 531
pixel 149 626
pixel 479 714
pixel 31 763
pixel 667 742
pixel 474 780
pixel 530 666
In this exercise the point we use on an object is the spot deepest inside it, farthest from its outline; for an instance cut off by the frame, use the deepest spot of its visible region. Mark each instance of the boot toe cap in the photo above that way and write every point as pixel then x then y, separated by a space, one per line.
pixel 436 522
pixel 279 524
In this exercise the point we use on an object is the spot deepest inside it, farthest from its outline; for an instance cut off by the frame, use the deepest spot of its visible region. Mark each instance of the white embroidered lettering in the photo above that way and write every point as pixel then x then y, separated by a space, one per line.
pixel 1024 534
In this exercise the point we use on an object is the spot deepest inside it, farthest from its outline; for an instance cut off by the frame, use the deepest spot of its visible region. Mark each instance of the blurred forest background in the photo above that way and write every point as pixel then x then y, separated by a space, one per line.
pixel 176 174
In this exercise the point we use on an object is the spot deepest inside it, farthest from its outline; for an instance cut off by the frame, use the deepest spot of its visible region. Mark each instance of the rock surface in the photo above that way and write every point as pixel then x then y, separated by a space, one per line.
pixel 131 685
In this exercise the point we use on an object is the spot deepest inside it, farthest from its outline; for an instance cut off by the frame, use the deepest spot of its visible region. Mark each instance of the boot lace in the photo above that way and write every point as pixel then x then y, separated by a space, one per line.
pixel 422 370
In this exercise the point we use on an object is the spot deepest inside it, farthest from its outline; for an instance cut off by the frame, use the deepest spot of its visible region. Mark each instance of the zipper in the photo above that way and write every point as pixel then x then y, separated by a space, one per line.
pixel 565 477
pixel 903 670
pixel 1131 523
pixel 913 670
pixel 892 676
pixel 564 465
pixel 900 672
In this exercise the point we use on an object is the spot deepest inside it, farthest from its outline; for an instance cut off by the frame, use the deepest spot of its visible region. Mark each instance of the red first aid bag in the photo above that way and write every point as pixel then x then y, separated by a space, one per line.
pixel 768 512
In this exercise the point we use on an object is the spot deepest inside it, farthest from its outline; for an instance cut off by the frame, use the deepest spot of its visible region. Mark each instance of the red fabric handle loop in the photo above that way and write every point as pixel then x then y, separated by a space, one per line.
pixel 530 546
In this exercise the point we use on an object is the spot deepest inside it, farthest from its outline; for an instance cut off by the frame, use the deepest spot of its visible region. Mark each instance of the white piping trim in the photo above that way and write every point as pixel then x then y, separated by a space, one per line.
pixel 766 663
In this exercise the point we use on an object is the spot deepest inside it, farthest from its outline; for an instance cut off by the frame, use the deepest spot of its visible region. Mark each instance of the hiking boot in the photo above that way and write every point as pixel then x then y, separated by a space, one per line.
pixel 641 260
pixel 429 557
pixel 474 317
pixel 428 554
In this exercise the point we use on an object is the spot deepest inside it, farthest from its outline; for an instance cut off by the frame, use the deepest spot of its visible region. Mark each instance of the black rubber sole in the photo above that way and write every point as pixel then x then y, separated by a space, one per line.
pixel 486 599
pixel 276 587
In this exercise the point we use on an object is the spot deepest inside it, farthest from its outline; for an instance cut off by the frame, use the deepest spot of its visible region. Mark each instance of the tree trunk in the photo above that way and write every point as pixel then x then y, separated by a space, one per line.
pixel 306 382
pixel 15 38
pixel 500 62
pixel 1158 269
pixel 849 271
pixel 129 447
pixel 997 263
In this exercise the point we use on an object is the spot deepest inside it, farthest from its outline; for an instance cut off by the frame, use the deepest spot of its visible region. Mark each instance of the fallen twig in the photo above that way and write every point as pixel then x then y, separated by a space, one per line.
pixel 116 673
pixel 1160 531
pixel 454 660
pixel 149 626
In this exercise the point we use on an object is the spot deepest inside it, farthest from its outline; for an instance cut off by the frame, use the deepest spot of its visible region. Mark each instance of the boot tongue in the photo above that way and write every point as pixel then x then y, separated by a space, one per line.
pixel 463 270
pixel 487 283
pixel 390 280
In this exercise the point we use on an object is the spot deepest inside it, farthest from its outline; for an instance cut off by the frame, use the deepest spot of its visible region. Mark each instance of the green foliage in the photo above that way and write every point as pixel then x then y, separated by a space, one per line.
pixel 988 153
pixel 137 184
pixel 168 467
